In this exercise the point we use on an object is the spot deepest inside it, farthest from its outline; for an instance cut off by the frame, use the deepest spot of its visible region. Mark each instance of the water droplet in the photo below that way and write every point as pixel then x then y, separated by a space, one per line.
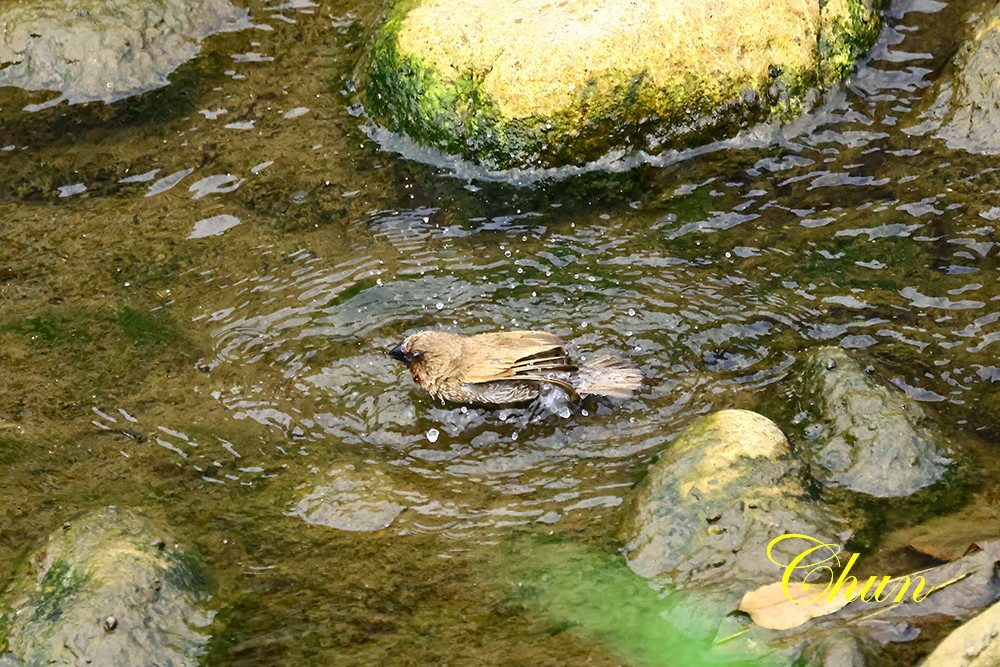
pixel 631 312
pixel 585 413
pixel 439 305
pixel 432 435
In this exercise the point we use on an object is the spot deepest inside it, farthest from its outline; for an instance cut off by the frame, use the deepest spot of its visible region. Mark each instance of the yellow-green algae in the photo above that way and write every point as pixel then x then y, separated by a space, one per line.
pixel 540 83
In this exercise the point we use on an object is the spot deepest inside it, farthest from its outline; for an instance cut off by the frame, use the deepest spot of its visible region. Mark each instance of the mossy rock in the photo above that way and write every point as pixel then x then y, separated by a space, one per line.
pixel 110 588
pixel 720 493
pixel 540 83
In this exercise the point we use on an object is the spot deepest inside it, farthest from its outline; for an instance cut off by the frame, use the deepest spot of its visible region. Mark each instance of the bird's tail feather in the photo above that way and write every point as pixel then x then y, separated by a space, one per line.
pixel 608 376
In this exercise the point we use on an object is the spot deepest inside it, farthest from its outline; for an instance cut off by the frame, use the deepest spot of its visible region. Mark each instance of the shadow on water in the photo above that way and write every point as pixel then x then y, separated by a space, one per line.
pixel 201 328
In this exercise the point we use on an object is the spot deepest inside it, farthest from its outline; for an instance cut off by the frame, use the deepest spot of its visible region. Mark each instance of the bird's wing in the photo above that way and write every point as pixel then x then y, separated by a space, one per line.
pixel 513 355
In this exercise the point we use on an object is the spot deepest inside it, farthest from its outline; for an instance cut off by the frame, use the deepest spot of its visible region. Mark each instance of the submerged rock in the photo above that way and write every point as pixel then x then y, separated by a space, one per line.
pixel 105 50
pixel 720 493
pixel 970 97
pixel 110 588
pixel 866 436
pixel 356 500
pixel 540 83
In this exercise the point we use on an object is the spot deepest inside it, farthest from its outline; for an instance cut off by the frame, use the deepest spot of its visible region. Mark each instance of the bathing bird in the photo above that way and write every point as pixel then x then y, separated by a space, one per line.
pixel 509 367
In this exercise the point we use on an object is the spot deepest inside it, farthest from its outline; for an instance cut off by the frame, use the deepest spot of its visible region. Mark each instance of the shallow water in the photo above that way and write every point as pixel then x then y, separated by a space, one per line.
pixel 198 289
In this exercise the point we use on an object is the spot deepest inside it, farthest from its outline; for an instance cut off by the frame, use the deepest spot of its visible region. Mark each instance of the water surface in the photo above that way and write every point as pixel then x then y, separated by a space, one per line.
pixel 198 289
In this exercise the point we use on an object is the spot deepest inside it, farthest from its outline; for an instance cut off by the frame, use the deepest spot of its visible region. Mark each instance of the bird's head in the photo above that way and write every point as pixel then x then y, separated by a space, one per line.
pixel 429 355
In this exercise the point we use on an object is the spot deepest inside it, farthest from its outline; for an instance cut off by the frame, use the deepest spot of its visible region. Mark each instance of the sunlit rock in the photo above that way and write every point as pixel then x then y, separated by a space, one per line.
pixel 969 98
pixel 974 644
pixel 545 83
pixel 105 50
pixel 110 588
pixel 351 499
pixel 866 436
pixel 719 494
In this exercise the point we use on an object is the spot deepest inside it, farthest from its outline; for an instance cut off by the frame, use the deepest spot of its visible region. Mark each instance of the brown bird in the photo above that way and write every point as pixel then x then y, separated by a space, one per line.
pixel 508 367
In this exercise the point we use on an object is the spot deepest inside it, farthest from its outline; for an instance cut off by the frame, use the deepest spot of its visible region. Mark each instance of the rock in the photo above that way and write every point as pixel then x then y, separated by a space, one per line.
pixel 105 50
pixel 361 500
pixel 866 436
pixel 970 96
pixel 974 644
pixel 541 83
pixel 110 588
pixel 720 493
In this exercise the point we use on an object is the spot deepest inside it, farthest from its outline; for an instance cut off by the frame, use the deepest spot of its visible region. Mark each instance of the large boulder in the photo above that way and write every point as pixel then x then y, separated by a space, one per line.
pixel 541 83
pixel 105 50
pixel 707 510
pixel 110 588
pixel 867 436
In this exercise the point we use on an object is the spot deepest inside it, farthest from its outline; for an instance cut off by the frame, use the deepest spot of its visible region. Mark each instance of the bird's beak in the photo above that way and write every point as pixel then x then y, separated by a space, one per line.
pixel 397 353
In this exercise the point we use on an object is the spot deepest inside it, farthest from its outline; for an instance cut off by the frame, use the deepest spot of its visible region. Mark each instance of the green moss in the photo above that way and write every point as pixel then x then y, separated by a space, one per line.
pixel 79 355
pixel 79 328
pixel 455 116
pixel 60 583
pixel 146 329
pixel 52 329
pixel 184 571
pixel 851 37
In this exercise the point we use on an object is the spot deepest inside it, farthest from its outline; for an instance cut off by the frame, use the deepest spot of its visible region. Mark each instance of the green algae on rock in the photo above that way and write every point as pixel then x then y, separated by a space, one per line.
pixel 109 588
pixel 105 50
pixel 540 83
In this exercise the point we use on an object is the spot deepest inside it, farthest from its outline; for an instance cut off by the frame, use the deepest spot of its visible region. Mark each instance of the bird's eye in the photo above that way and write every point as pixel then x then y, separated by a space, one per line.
pixel 416 356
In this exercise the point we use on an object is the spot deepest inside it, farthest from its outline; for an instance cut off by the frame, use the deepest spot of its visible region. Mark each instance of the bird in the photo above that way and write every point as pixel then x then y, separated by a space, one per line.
pixel 507 367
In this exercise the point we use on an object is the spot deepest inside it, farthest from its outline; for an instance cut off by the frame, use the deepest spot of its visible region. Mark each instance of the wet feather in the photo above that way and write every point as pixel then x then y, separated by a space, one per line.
pixel 509 367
